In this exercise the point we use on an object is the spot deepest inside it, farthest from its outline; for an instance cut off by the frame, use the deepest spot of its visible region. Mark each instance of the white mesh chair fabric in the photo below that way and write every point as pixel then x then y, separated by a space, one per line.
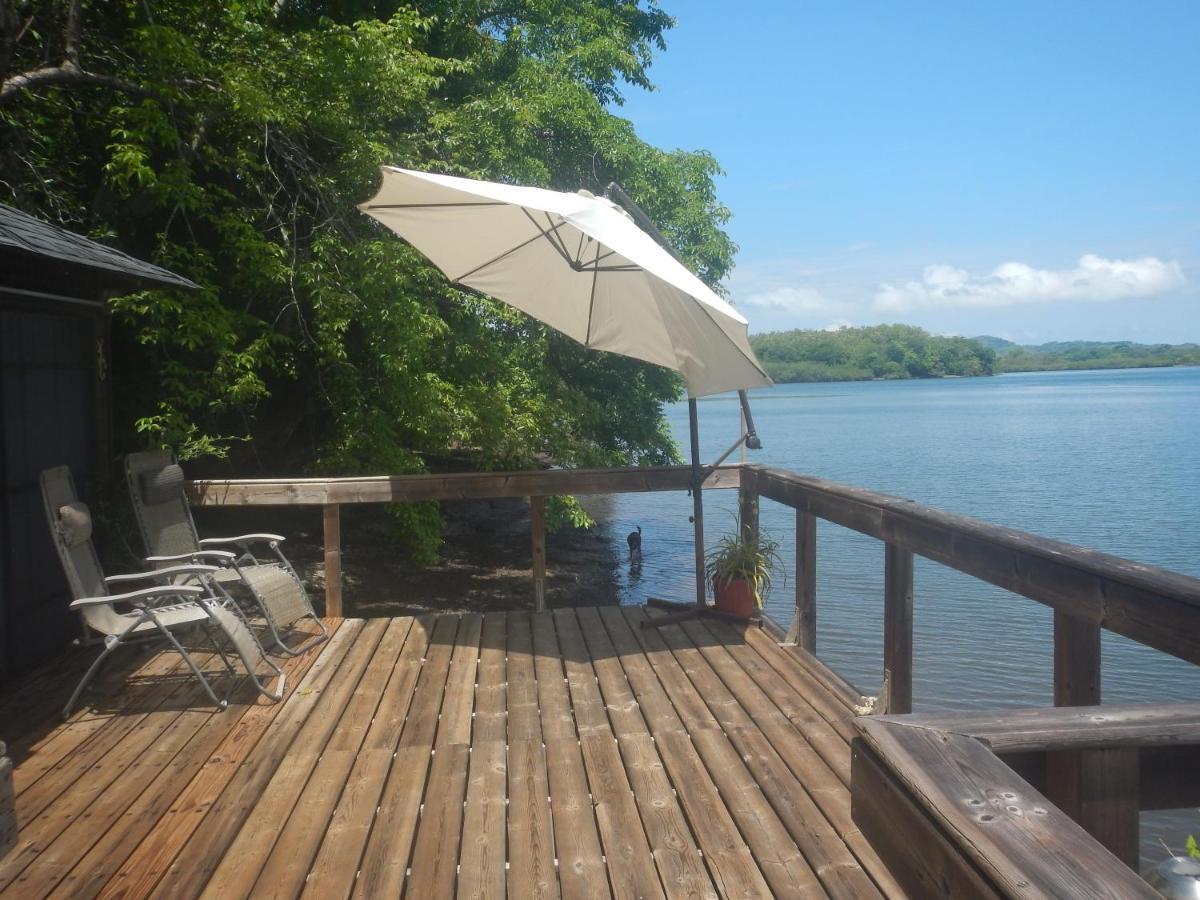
pixel 156 486
pixel 162 608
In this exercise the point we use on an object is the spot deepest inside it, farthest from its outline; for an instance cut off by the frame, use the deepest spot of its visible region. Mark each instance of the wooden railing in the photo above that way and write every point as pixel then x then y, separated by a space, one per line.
pixel 332 493
pixel 1100 768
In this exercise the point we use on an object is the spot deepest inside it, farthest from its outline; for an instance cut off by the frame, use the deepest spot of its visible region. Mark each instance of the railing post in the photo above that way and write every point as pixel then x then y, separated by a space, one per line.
pixel 1096 788
pixel 898 628
pixel 803 630
pixel 537 527
pixel 748 502
pixel 1076 661
pixel 333 560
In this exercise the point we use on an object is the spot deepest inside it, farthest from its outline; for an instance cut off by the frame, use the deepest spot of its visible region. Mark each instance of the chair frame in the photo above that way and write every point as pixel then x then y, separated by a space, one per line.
pixel 207 551
pixel 199 602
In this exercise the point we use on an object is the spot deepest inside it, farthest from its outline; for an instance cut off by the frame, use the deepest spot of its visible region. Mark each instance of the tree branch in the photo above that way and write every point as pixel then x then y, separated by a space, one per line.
pixel 72 33
pixel 68 73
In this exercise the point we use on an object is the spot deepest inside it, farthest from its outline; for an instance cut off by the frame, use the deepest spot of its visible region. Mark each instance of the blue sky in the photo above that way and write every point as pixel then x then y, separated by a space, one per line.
pixel 1021 169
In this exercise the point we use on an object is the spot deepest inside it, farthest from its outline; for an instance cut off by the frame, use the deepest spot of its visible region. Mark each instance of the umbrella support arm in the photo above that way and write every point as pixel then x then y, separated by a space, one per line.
pixel 697 500
pixel 749 437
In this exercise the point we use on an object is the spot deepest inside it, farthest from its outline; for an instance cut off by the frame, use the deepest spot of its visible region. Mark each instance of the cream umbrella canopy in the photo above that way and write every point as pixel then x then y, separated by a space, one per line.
pixel 581 265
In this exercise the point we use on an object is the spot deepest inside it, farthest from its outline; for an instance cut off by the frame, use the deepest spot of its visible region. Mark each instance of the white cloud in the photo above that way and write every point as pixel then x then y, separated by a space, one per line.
pixel 801 300
pixel 1094 279
pixel 838 325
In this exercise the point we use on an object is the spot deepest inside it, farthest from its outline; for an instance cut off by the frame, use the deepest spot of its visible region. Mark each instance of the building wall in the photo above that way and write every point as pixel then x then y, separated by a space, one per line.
pixel 53 405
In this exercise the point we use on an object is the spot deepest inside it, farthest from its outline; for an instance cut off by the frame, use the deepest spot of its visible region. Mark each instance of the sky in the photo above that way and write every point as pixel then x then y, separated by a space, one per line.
pixel 1026 170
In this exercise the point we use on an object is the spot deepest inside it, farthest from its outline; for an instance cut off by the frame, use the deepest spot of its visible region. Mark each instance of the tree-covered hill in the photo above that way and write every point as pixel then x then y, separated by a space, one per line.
pixel 230 142
pixel 1058 355
pixel 861 354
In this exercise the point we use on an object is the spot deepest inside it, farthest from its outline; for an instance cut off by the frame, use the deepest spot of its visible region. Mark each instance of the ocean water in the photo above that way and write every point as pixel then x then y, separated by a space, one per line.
pixel 1107 460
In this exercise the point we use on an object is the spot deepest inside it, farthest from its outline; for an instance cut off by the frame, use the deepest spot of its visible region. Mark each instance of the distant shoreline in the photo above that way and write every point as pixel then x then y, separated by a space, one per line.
pixel 1023 371
pixel 905 352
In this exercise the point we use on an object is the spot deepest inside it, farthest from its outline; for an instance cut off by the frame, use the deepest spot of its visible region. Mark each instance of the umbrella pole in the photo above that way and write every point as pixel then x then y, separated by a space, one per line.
pixel 697 500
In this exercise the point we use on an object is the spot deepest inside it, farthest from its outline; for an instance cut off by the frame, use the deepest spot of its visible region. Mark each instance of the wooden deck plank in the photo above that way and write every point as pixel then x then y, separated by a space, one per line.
pixel 51 843
pixel 531 871
pixel 137 875
pixel 787 722
pixel 62 797
pixel 336 864
pixel 439 835
pixel 266 818
pixel 288 864
pixel 162 675
pixel 481 864
pixel 581 870
pixel 734 870
pixel 676 856
pixel 150 811
pixel 389 845
pixel 140 777
pixel 769 830
pixel 43 740
pixel 631 869
pixel 225 814
pixel 814 728
pixel 745 719
pixel 793 672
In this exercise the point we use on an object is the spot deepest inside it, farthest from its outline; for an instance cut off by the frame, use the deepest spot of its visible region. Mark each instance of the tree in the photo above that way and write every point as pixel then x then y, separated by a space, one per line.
pixel 230 142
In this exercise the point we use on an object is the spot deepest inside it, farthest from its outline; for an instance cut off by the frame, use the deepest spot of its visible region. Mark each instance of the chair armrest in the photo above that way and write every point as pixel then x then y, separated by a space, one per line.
pixel 161 590
pixel 225 555
pixel 170 572
pixel 244 539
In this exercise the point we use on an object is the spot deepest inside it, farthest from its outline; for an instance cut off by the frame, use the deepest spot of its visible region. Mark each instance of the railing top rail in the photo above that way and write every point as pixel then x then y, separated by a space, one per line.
pixel 1152 605
pixel 454 486
pixel 994 831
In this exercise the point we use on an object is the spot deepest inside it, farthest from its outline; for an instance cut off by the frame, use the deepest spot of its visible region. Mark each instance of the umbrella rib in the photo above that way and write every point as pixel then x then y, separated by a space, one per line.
pixel 562 247
pixel 587 341
pixel 509 252
pixel 366 206
pixel 550 235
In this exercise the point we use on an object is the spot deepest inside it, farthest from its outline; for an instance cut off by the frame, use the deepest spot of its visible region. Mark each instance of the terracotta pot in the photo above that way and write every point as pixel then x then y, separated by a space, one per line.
pixel 735 596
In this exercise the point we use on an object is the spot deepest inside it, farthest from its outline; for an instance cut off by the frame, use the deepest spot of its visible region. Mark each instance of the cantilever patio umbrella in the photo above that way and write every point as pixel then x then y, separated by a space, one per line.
pixel 580 264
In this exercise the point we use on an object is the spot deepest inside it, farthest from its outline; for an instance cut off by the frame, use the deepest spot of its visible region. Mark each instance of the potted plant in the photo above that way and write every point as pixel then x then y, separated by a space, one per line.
pixel 740 569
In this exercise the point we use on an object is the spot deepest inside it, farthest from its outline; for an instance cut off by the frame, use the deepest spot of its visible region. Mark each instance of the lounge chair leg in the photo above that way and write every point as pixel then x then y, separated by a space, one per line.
pixel 111 642
pixel 191 664
pixel 220 650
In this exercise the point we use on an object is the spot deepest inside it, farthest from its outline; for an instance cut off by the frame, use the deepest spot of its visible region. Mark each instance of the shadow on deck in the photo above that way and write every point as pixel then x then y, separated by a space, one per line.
pixel 563 753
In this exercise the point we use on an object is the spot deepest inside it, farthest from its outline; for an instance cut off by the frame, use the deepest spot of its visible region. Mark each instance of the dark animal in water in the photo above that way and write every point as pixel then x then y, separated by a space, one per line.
pixel 635 542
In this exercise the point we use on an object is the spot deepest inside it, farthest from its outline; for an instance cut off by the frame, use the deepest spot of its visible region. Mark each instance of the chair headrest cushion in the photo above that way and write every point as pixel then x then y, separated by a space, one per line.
pixel 161 485
pixel 74 524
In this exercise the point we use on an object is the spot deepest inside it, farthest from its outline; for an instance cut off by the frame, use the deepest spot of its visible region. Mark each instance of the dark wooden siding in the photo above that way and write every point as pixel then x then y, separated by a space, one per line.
pixel 49 404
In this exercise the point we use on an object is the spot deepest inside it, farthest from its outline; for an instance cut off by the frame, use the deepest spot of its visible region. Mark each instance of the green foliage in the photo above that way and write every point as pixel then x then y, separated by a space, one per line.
pixel 1060 355
pixel 746 555
pixel 1193 849
pixel 861 354
pixel 234 153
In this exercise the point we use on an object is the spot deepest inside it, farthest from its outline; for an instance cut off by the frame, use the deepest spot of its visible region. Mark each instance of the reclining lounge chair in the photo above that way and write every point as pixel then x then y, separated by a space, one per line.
pixel 169 531
pixel 162 608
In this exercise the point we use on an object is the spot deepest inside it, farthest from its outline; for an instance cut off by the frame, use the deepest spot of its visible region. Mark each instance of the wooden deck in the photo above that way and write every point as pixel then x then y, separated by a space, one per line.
pixel 568 753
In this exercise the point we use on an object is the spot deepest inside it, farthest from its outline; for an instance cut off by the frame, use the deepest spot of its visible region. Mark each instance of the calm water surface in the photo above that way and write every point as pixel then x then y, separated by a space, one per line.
pixel 1107 460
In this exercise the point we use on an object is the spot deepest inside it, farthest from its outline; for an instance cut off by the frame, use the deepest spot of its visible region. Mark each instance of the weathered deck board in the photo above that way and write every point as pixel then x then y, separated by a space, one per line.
pixel 481 872
pixel 562 754
pixel 385 859
pixel 350 825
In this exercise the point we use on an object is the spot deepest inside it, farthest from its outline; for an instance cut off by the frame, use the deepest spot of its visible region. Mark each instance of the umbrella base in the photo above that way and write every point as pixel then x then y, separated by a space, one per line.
pixel 683 612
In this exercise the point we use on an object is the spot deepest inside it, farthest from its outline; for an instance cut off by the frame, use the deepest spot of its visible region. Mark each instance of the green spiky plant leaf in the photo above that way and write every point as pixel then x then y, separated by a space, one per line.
pixel 747 554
